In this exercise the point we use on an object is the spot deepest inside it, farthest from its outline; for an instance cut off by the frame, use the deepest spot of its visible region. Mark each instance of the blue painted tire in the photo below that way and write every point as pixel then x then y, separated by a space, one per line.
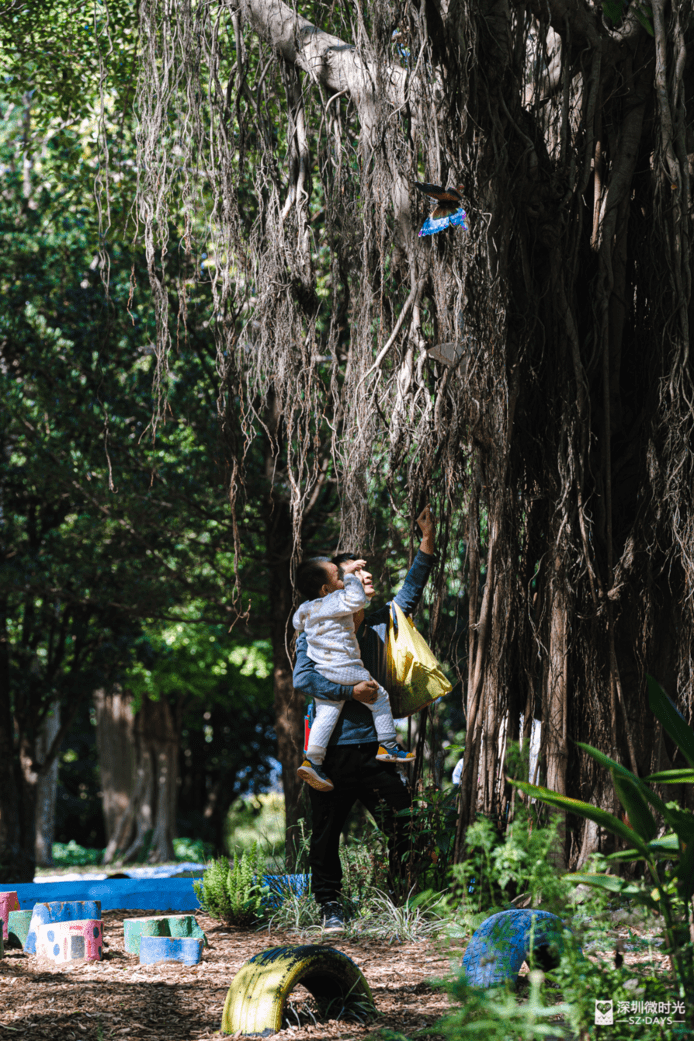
pixel 503 942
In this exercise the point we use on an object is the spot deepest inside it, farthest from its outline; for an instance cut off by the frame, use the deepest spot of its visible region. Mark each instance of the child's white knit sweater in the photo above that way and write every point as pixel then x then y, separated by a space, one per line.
pixel 329 627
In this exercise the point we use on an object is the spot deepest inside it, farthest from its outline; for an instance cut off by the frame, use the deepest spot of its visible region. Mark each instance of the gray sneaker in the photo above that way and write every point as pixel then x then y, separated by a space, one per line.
pixel 333 918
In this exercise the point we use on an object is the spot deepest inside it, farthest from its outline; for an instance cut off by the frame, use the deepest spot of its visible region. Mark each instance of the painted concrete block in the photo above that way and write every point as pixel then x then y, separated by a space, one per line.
pixel 183 925
pixel 2 942
pixel 60 911
pixel 70 940
pixel 135 928
pixel 186 949
pixel 18 928
pixel 8 902
pixel 142 894
pixel 283 886
pixel 180 925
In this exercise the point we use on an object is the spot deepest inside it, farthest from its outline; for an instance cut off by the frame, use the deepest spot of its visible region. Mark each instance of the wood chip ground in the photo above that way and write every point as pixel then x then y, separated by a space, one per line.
pixel 118 998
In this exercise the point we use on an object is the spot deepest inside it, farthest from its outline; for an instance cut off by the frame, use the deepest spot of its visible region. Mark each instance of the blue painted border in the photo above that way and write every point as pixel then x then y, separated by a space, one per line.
pixel 115 894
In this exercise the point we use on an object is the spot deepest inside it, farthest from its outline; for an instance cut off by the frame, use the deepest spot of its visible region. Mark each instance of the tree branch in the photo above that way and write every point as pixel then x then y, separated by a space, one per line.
pixel 327 60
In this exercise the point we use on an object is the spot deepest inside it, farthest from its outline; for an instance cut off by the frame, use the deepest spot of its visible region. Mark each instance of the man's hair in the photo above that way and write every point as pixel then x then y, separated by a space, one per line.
pixel 311 576
pixel 342 557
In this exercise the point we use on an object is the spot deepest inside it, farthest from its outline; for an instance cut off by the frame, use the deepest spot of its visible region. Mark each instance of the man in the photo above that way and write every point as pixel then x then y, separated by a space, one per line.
pixel 350 761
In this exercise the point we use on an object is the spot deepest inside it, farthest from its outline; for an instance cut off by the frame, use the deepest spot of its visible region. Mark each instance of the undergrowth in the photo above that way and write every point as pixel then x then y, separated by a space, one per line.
pixel 234 892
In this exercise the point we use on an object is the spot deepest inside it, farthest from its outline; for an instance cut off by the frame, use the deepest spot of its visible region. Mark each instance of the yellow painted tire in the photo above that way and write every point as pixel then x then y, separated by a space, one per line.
pixel 258 993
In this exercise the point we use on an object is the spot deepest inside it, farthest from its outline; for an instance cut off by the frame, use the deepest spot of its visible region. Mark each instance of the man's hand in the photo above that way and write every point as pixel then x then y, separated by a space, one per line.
pixel 350 566
pixel 427 526
pixel 366 691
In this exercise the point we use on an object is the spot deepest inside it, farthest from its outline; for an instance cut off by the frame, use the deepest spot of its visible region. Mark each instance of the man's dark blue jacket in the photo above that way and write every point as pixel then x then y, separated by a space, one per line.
pixel 355 725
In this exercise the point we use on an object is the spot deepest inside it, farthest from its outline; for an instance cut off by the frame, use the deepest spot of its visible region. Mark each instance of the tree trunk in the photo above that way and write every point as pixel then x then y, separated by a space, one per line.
pixel 15 865
pixel 555 714
pixel 46 789
pixel 147 826
pixel 289 706
pixel 114 743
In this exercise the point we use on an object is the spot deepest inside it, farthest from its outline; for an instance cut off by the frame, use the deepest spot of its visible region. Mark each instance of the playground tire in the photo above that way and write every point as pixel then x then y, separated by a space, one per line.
pixel 258 993
pixel 503 942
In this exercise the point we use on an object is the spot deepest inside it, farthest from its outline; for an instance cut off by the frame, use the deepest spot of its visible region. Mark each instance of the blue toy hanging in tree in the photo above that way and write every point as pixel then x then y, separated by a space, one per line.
pixel 448 212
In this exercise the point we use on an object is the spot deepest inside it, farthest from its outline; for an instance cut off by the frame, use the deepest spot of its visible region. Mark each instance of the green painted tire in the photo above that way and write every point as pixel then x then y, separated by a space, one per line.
pixel 259 991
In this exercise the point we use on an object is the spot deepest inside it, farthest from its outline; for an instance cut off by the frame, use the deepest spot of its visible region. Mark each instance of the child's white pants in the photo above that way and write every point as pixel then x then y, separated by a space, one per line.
pixel 328 713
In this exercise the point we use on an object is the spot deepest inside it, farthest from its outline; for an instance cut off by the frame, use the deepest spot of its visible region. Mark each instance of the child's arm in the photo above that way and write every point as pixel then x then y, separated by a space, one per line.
pixel 342 602
pixel 308 680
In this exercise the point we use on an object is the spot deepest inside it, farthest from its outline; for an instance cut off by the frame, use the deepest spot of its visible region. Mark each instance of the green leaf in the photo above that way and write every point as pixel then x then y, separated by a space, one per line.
pixel 667 847
pixel 685 872
pixel 611 764
pixel 678 729
pixel 683 776
pixel 631 798
pixel 613 10
pixel 644 20
pixel 584 809
pixel 612 884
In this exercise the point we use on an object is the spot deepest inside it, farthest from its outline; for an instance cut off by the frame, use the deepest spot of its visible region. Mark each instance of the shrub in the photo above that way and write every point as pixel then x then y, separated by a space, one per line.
pixel 499 869
pixel 234 893
pixel 192 849
pixel 72 854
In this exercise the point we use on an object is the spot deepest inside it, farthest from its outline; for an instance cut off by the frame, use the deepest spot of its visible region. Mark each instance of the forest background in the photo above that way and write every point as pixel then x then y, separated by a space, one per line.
pixel 214 349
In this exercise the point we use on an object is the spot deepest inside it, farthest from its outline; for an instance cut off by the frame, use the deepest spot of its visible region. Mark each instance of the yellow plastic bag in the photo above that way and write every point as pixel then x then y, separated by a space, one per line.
pixel 415 678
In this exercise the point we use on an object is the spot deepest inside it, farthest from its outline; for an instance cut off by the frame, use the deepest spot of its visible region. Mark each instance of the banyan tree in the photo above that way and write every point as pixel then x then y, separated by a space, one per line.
pixel 284 143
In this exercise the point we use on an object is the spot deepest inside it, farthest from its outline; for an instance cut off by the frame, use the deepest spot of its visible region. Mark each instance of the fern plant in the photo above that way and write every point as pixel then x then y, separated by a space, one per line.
pixel 234 893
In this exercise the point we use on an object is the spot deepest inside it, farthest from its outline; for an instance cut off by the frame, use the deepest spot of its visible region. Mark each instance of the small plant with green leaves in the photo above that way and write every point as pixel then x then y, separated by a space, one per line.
pixel 234 893
pixel 669 860
pixel 518 865
pixel 416 918
pixel 498 1015
pixel 364 869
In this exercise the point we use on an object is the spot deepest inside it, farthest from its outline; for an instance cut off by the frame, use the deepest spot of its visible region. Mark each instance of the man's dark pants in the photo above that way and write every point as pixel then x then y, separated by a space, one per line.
pixel 357 775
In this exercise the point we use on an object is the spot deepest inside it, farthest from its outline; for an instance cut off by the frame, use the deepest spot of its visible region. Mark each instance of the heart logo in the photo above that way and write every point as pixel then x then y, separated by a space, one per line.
pixel 603 1006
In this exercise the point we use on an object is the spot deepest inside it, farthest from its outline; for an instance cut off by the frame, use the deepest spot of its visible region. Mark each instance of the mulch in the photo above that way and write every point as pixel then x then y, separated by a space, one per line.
pixel 119 998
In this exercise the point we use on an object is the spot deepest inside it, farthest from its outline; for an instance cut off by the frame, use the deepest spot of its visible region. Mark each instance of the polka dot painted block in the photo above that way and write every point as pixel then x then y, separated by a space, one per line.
pixel 60 911
pixel 8 902
pixel 71 941
pixel 179 925
pixel 18 928
pixel 153 949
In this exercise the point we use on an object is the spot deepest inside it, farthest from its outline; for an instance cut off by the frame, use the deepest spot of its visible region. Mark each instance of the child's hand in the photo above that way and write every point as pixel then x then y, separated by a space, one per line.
pixel 350 566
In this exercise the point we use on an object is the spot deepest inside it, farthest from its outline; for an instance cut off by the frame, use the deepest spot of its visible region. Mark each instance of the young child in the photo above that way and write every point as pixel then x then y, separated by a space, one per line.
pixel 328 621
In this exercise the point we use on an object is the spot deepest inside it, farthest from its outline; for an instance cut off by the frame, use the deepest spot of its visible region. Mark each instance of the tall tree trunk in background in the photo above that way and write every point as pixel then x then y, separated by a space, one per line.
pixel 555 708
pixel 114 743
pixel 147 826
pixel 46 789
pixel 15 865
pixel 289 706
pixel 289 714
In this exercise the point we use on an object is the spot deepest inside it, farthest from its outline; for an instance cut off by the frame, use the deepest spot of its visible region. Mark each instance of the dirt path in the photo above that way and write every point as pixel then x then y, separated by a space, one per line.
pixel 119 998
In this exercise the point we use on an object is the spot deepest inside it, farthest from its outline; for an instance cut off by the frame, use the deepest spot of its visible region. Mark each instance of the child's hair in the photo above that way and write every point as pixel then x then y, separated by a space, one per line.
pixel 341 558
pixel 311 576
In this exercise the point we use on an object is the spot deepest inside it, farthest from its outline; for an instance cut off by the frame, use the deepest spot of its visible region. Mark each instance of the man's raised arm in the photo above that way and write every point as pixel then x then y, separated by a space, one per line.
pixel 412 588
